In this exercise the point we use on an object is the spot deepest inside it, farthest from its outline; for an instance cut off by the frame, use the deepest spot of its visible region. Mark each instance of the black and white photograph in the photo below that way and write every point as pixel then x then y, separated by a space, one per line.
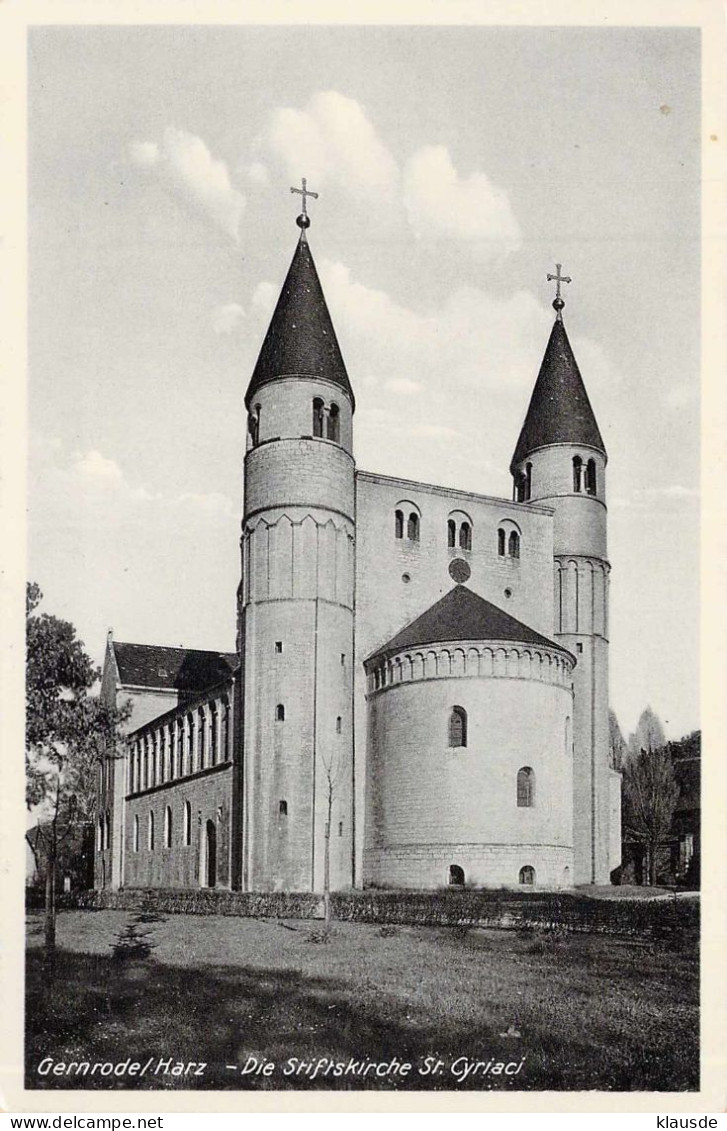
pixel 362 658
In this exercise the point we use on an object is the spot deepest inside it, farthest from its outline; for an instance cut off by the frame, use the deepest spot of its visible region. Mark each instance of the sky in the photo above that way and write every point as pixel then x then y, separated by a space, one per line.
pixel 455 167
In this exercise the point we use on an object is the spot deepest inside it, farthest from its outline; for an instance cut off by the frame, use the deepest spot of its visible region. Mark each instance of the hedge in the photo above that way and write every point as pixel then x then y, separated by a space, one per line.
pixel 570 911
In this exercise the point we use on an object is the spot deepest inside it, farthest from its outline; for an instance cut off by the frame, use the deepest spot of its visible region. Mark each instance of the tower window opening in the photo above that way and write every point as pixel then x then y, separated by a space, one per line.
pixel 501 542
pixel 399 524
pixel 412 527
pixel 465 536
pixel 343 659
pixel 338 724
pixel 591 477
pixel 456 875
pixel 280 713
pixel 283 808
pixel 340 828
pixel 525 788
pixel 278 646
pixel 521 487
pixel 528 480
pixel 451 532
pixel 527 875
pixel 513 544
pixel 253 425
pixel 334 423
pixel 458 727
pixel 577 473
pixel 318 414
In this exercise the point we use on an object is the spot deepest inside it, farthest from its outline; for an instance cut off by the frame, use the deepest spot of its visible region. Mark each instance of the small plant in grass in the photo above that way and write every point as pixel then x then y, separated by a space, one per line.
pixel 322 934
pixel 388 930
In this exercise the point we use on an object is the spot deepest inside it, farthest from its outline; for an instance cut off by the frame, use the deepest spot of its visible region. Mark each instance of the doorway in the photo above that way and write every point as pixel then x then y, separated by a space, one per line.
pixel 210 855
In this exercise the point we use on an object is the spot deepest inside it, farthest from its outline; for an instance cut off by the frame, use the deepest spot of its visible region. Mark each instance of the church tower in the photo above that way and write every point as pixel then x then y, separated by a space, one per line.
pixel 560 460
pixel 296 628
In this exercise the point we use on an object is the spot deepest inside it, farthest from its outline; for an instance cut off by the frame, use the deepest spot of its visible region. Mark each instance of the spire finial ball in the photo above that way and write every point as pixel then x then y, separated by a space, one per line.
pixel 303 221
pixel 558 304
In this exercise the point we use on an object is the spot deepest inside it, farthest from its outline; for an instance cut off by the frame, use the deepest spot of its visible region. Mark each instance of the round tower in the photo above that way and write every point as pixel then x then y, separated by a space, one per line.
pixel 560 461
pixel 296 598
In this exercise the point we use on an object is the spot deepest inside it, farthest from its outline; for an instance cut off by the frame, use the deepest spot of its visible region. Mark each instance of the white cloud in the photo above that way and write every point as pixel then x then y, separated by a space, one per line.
pixel 334 141
pixel 227 318
pixel 403 386
pixel 258 174
pixel 439 202
pixel 185 163
pixel 97 468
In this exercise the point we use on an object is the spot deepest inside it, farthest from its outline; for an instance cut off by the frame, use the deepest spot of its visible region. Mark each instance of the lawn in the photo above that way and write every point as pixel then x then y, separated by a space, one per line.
pixel 573 1011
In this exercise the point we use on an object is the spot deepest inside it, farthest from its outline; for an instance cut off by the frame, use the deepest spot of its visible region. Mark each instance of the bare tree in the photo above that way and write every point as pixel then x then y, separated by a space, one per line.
pixel 650 797
pixel 331 768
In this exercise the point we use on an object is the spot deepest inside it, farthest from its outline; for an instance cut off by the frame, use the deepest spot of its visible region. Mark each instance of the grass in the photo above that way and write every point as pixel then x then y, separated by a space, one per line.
pixel 584 1011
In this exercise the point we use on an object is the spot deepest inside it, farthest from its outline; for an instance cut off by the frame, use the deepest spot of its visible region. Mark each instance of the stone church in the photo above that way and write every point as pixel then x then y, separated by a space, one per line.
pixel 419 695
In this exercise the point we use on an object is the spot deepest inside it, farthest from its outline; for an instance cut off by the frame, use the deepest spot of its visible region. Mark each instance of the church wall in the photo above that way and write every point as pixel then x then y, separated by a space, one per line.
pixel 286 408
pixel 385 602
pixel 208 794
pixel 431 805
pixel 299 472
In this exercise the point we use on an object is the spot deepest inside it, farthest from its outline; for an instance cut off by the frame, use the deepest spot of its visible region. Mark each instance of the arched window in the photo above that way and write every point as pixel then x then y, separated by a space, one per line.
pixel 451 532
pixel 253 424
pixel 513 544
pixel 187 823
pixel 412 527
pixel 136 833
pixel 525 788
pixel 213 734
pixel 458 727
pixel 577 472
pixel 162 757
pixel 225 730
pixel 318 415
pixel 280 713
pixel 201 739
pixel 456 874
pixel 591 477
pixel 168 827
pixel 151 831
pixel 180 745
pixel 334 423
pixel 283 808
pixel 528 480
pixel 521 487
pixel 190 742
pixel 501 542
pixel 465 536
pixel 398 524
pixel 527 875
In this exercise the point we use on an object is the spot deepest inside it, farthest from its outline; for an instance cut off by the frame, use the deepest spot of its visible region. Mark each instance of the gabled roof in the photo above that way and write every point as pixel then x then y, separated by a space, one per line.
pixel 559 411
pixel 300 341
pixel 178 669
pixel 462 615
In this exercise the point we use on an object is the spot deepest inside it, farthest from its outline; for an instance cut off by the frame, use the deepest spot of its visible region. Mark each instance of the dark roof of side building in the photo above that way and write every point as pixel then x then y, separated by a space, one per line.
pixel 175 669
pixel 559 411
pixel 462 615
pixel 300 341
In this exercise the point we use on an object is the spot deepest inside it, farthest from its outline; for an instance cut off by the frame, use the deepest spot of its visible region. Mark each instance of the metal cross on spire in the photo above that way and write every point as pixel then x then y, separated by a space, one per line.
pixel 303 221
pixel 558 302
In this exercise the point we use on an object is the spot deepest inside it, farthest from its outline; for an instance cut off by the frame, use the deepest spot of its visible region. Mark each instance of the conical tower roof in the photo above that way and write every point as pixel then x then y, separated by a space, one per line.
pixel 559 411
pixel 462 615
pixel 300 341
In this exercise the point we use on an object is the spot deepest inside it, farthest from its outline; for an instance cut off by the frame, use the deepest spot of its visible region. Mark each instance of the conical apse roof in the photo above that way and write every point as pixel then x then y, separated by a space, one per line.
pixel 559 411
pixel 300 341
pixel 462 615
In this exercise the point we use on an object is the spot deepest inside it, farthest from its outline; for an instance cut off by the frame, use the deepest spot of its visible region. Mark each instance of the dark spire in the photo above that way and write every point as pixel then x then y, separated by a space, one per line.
pixel 559 411
pixel 458 616
pixel 300 341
